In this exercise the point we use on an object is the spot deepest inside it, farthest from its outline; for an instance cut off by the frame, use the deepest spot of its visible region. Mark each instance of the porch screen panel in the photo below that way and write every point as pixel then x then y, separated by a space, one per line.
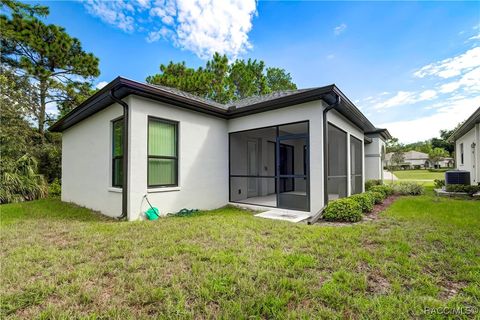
pixel 356 165
pixel 337 163
pixel 162 153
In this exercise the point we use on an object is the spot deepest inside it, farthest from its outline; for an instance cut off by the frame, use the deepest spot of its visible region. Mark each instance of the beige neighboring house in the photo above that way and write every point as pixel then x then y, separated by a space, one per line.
pixel 467 146
pixel 411 159
pixel 414 159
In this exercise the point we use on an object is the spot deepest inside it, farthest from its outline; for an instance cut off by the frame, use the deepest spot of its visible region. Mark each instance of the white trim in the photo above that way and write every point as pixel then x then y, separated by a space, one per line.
pixel 165 189
pixel 114 189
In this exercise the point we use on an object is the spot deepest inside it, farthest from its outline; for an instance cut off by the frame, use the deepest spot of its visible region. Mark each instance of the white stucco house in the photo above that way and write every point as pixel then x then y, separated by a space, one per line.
pixel 467 146
pixel 291 150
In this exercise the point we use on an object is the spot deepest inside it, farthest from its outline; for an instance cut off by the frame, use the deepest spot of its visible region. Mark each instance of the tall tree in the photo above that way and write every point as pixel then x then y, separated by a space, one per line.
pixel 54 61
pixel 393 145
pixel 216 79
pixel 25 9
pixel 438 154
pixel 16 135
pixel 222 81
pixel 279 79
pixel 397 158
pixel 75 93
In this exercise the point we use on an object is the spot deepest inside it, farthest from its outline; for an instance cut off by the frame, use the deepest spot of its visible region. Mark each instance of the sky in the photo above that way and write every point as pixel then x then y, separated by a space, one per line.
pixel 411 67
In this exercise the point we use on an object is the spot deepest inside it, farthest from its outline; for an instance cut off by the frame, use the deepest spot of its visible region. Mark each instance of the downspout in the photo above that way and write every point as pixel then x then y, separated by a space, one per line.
pixel 125 154
pixel 325 149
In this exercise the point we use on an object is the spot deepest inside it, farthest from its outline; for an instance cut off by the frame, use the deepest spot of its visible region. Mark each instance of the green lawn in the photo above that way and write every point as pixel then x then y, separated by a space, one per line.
pixel 418 175
pixel 62 261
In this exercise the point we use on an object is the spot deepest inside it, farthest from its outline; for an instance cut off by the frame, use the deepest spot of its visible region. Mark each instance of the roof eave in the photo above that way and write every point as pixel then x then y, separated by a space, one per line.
pixel 123 88
pixel 466 126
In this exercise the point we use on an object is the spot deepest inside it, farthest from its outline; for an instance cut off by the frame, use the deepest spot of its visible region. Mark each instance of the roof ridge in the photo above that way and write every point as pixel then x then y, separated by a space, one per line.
pixel 182 92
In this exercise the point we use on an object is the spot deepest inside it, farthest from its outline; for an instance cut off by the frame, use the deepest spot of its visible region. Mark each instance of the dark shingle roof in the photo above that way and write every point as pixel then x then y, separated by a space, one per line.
pixel 187 95
pixel 122 87
pixel 245 102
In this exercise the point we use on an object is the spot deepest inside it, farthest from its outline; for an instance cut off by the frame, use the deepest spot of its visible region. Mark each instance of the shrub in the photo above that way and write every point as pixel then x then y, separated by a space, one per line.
pixel 378 197
pixel 439 169
pixel 439 183
pixel 408 188
pixel 19 181
pixel 371 183
pixel 55 188
pixel 462 188
pixel 385 189
pixel 344 209
pixel 365 200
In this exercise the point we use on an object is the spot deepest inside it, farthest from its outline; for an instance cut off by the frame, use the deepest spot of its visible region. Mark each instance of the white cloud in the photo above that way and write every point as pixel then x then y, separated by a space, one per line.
pixel 340 29
pixel 201 26
pixel 101 84
pixel 427 95
pixel 451 67
pixel 330 56
pixel 112 12
pixel 446 117
pixel 470 82
pixel 450 93
pixel 401 98
pixel 156 35
pixel 477 37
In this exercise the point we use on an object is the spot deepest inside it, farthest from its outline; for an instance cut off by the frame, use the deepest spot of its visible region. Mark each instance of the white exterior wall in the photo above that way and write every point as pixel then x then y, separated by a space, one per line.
pixel 203 173
pixel 335 118
pixel 87 162
pixel 311 111
pixel 203 160
pixel 471 157
pixel 373 159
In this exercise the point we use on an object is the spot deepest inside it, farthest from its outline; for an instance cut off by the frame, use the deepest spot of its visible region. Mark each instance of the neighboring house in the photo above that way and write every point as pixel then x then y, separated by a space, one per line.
pixel 467 146
pixel 291 150
pixel 447 162
pixel 415 159
pixel 412 159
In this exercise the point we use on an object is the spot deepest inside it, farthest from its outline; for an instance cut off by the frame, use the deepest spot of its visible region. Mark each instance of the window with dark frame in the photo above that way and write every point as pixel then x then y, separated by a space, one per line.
pixel 162 153
pixel 461 153
pixel 117 153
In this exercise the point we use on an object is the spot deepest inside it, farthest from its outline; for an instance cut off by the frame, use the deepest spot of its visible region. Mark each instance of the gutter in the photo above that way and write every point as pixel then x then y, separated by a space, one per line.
pixel 325 148
pixel 125 153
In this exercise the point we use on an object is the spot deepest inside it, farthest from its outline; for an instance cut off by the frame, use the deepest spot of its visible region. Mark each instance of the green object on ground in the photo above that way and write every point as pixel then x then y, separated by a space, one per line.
pixel 152 213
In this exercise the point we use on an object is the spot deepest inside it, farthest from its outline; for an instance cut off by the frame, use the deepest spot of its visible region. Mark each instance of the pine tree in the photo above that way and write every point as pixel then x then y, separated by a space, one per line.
pixel 54 61
pixel 222 81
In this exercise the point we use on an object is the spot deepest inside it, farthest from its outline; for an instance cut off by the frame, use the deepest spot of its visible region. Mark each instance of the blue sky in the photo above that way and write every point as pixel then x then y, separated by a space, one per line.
pixel 413 67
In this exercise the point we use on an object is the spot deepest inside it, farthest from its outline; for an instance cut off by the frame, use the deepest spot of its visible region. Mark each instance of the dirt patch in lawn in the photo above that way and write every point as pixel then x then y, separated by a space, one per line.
pixel 378 208
pixel 451 289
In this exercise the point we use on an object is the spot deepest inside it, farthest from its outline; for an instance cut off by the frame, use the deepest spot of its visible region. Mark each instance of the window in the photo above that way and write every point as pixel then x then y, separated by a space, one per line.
pixel 461 153
pixel 117 153
pixel 162 153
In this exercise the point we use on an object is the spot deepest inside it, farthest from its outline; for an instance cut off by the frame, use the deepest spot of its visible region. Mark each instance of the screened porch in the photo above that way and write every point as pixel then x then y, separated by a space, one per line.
pixel 269 166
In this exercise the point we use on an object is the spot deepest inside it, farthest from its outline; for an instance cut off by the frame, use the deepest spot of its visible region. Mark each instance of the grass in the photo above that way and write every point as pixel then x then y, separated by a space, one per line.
pixel 418 175
pixel 62 261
